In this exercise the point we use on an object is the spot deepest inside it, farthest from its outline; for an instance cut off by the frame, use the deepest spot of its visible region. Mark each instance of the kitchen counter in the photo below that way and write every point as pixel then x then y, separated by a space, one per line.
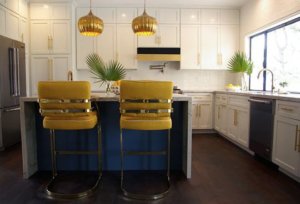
pixel 263 94
pixel 35 140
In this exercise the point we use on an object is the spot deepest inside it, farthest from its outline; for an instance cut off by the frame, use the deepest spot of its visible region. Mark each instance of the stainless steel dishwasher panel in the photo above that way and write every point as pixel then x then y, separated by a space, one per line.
pixel 262 113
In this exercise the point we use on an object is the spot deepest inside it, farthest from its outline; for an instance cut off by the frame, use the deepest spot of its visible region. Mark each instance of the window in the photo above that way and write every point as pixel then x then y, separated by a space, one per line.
pixel 277 49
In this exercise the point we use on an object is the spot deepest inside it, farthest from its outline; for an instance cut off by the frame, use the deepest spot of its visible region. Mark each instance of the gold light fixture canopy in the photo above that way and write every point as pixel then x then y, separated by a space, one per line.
pixel 144 25
pixel 90 25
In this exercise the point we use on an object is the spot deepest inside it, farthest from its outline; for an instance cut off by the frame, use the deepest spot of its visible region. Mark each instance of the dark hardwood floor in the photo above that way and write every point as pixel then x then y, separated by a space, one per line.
pixel 221 173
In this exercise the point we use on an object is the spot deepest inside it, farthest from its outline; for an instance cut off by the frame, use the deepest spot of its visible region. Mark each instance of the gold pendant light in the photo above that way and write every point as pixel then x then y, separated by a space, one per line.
pixel 90 25
pixel 144 25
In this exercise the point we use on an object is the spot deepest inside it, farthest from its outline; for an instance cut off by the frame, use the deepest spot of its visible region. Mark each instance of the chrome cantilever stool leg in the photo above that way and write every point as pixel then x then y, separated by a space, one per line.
pixel 53 194
pixel 145 196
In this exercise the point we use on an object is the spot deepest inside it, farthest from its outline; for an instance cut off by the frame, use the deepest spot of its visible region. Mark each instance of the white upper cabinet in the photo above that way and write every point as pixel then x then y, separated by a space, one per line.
pixel 190 55
pixel 13 5
pixel 50 37
pixel 126 46
pixel 229 17
pixel 12 25
pixel 23 32
pixel 163 15
pixel 229 43
pixel 190 16
pixel 106 43
pixel 2 21
pixel 210 16
pixel 126 15
pixel 23 8
pixel 108 15
pixel 209 52
pixel 50 11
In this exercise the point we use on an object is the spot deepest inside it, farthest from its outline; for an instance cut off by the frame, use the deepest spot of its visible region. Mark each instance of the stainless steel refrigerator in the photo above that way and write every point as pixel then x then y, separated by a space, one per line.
pixel 12 86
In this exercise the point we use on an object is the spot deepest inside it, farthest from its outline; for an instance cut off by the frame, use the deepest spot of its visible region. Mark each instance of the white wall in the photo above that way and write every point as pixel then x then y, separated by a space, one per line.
pixel 258 15
pixel 184 79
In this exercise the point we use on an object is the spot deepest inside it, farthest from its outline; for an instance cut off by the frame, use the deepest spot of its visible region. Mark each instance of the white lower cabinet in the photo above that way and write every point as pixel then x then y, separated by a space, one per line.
pixel 48 67
pixel 201 111
pixel 232 117
pixel 286 141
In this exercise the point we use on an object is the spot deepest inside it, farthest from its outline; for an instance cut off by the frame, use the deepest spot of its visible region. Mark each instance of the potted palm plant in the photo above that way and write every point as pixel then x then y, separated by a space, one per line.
pixel 105 73
pixel 239 63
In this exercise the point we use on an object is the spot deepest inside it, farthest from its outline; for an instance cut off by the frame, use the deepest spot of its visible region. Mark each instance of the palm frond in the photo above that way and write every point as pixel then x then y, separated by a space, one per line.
pixel 240 63
pixel 104 72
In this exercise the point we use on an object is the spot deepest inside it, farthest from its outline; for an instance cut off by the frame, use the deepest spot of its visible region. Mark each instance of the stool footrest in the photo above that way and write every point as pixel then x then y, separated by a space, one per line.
pixel 145 152
pixel 76 152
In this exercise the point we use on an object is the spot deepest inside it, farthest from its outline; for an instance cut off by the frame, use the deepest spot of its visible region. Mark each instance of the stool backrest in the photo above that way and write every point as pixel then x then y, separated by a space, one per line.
pixel 146 98
pixel 64 98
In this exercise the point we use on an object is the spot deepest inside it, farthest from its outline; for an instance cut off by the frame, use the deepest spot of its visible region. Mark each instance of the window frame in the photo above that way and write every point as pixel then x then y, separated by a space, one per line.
pixel 265 33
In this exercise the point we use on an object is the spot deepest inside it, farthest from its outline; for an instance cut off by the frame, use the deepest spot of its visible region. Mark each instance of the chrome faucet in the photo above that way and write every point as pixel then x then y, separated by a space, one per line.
pixel 272 74
pixel 70 76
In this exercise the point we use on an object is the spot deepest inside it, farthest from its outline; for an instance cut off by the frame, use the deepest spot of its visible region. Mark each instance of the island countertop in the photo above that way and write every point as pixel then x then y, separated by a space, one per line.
pixel 31 128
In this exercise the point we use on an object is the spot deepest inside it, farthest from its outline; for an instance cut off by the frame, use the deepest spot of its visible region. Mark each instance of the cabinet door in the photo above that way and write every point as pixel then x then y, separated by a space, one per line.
pixel 221 118
pixel 40 37
pixel 243 124
pixel 106 43
pixel 286 137
pixel 190 58
pixel 12 25
pixel 229 43
pixel 209 46
pixel 13 5
pixel 23 8
pixel 195 118
pixel 126 15
pixel 210 16
pixel 148 41
pixel 40 71
pixel 233 128
pixel 60 67
pixel 205 116
pixel 23 33
pixel 169 36
pixel 106 14
pixel 60 11
pixel 169 16
pixel 126 46
pixel 189 16
pixel 60 37
pixel 40 11
pixel 84 45
pixel 228 16
pixel 2 21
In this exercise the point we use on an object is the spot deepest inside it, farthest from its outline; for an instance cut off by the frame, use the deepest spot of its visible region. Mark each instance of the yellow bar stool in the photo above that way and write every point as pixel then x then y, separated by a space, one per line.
pixel 145 105
pixel 66 105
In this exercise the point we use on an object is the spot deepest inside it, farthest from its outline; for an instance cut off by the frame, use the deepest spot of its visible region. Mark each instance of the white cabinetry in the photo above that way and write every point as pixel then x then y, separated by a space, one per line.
pixel 50 39
pixel 201 110
pixel 215 40
pixel 48 67
pixel 168 31
pixel 221 113
pixel 286 141
pixel 238 119
pixel 2 21
pixel 116 42
pixel 12 5
pixel 12 25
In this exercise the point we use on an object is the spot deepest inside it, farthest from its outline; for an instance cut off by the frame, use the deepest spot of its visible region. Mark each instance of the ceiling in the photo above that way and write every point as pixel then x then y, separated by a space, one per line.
pixel 165 3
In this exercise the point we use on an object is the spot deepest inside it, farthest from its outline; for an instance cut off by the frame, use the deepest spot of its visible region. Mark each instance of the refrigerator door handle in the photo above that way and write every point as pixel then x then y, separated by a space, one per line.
pixel 12 109
pixel 11 71
pixel 18 71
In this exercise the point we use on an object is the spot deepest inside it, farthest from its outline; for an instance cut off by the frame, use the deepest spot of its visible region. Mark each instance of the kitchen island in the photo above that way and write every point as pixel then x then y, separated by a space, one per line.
pixel 35 139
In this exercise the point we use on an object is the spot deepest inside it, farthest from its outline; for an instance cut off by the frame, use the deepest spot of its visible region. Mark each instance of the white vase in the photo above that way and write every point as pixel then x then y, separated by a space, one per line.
pixel 244 83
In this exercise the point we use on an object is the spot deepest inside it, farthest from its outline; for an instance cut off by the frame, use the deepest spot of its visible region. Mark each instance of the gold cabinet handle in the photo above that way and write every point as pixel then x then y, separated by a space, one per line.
pixel 51 42
pixel 235 118
pixel 218 112
pixel 200 110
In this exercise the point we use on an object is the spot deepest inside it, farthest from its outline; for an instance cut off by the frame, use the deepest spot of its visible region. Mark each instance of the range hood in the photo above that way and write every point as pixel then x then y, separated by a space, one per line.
pixel 158 54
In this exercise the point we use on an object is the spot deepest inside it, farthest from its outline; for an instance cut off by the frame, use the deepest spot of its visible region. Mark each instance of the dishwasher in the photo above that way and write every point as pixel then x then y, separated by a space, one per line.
pixel 262 113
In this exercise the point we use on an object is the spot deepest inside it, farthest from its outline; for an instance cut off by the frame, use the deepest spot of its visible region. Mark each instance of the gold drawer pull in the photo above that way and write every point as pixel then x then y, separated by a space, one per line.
pixel 288 109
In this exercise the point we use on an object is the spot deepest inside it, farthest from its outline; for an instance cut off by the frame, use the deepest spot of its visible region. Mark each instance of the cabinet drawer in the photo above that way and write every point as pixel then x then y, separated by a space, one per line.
pixel 240 101
pixel 221 98
pixel 288 109
pixel 200 96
